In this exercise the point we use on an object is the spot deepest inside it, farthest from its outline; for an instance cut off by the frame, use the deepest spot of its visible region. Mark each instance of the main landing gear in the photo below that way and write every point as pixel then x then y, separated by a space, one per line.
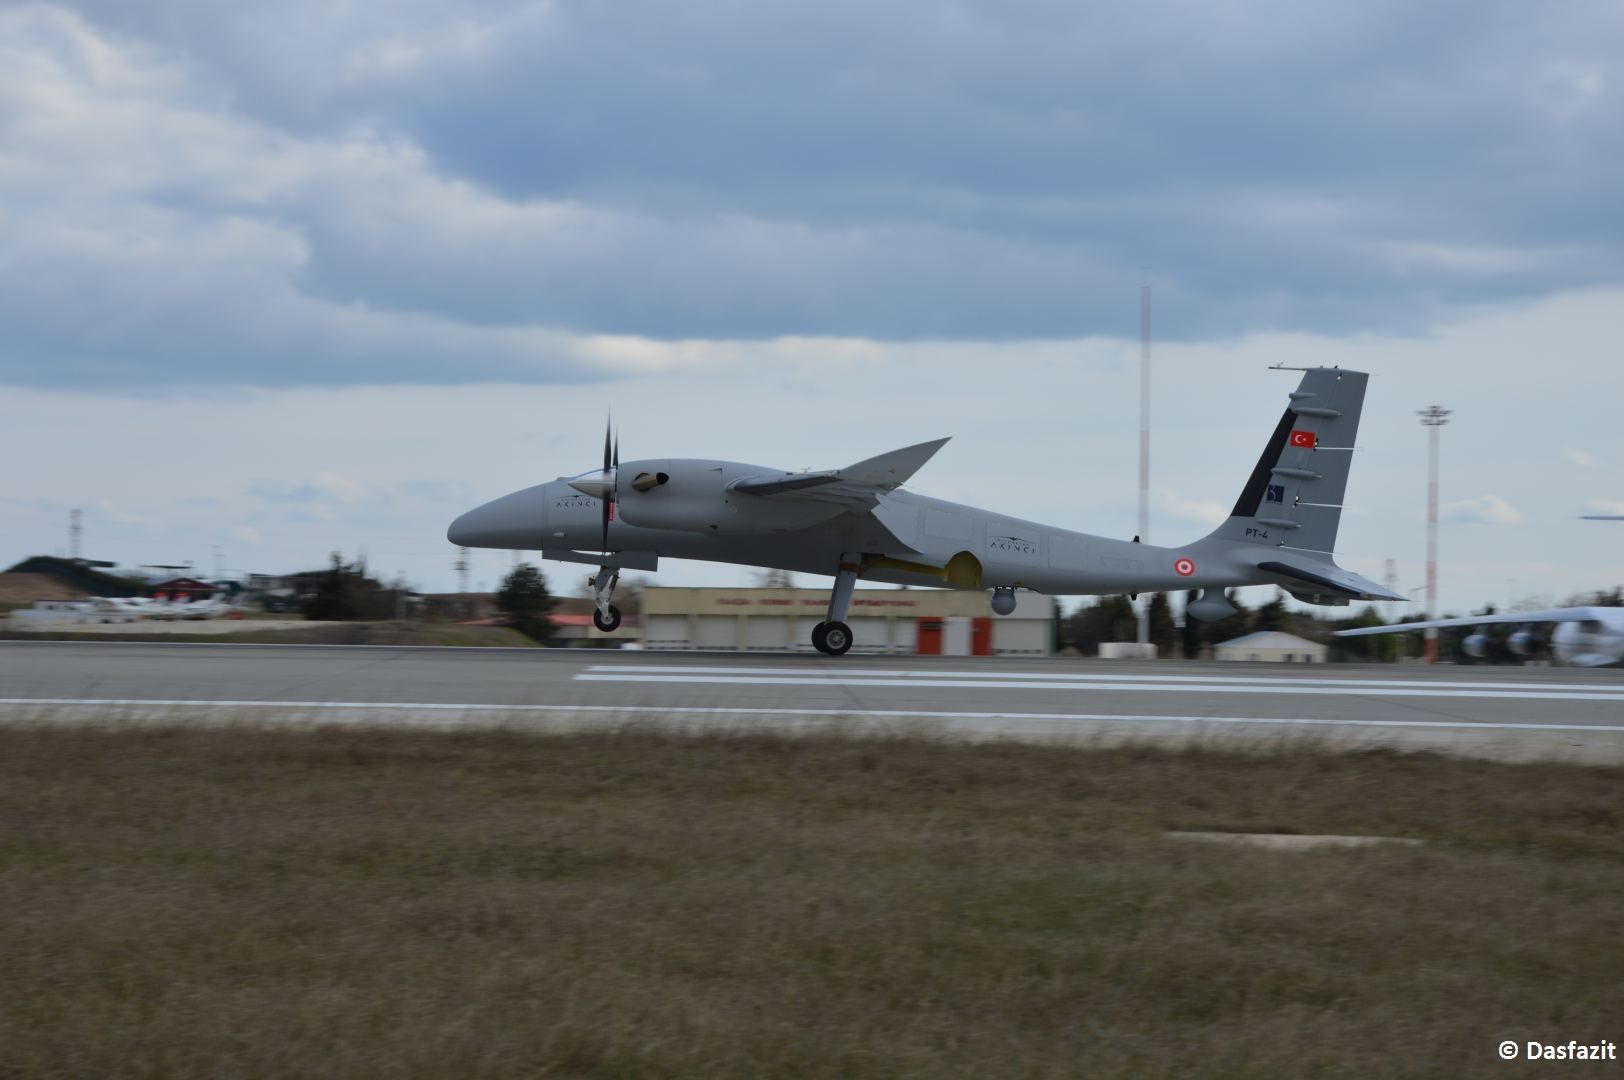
pixel 832 637
pixel 607 616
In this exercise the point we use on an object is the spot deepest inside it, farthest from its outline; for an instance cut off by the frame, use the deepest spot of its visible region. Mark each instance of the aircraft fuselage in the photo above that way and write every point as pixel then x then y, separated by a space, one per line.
pixel 907 539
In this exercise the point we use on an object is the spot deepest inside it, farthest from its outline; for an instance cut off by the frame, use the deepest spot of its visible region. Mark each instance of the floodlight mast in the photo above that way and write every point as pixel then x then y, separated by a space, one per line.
pixel 1432 418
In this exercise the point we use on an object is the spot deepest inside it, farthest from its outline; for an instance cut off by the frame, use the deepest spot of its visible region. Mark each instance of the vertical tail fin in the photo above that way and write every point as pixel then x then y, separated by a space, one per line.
pixel 1293 498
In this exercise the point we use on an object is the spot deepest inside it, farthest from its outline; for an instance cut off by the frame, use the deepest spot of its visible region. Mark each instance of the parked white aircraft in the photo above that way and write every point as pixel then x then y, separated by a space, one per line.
pixel 214 607
pixel 1583 636
pixel 131 608
pixel 856 523
pixel 126 608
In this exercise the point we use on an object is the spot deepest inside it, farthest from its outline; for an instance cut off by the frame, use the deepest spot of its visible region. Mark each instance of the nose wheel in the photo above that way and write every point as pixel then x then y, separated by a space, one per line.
pixel 832 638
pixel 605 616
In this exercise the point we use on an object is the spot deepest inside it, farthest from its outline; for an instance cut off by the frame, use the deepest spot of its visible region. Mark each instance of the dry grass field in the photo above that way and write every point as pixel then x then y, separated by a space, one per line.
pixel 238 903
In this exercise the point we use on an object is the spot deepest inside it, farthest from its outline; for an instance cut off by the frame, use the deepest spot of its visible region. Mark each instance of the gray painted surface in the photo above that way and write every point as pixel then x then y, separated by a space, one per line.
pixel 1510 713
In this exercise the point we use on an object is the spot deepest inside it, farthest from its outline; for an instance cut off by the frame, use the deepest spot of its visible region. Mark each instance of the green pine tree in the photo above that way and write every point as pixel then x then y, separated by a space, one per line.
pixel 525 600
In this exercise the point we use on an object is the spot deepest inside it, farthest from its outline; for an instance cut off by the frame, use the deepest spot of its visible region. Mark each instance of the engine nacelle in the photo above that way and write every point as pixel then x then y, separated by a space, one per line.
pixel 1476 645
pixel 1523 643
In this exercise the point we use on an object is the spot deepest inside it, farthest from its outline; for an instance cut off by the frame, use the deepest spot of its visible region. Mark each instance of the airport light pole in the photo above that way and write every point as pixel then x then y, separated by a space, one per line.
pixel 1432 418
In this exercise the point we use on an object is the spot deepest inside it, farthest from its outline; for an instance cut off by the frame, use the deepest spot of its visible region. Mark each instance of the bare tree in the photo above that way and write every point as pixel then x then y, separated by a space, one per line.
pixel 775 579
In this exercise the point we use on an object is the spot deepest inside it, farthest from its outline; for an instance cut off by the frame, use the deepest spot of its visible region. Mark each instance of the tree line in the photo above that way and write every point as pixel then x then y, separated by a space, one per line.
pixel 1112 618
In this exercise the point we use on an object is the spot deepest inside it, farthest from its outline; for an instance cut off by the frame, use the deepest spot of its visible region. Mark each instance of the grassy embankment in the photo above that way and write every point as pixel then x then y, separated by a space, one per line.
pixel 199 902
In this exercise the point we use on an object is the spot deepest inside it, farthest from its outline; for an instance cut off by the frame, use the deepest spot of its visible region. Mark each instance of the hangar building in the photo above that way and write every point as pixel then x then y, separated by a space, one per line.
pixel 928 621
pixel 1272 646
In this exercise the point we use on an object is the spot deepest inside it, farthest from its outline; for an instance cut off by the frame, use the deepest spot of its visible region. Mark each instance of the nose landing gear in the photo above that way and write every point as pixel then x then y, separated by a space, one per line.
pixel 607 616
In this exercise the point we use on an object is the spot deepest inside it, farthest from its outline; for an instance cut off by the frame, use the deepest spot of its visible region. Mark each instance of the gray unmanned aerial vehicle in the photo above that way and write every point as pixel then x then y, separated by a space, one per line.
pixel 858 522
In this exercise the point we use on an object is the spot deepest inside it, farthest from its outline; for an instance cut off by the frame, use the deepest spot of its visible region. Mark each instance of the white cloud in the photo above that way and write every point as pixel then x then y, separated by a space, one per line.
pixel 341 488
pixel 1485 509
pixel 1605 506
pixel 1584 459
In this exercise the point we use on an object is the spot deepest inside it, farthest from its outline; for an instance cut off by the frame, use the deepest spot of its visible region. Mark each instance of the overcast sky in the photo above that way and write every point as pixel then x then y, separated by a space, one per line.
pixel 279 279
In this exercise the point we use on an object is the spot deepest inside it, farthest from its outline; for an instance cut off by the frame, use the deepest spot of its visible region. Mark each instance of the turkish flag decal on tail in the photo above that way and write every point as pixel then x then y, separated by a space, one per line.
pixel 1302 438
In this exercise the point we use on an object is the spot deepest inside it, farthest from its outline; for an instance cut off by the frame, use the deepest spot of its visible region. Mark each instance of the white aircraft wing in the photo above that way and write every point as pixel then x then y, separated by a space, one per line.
pixel 860 485
pixel 1553 615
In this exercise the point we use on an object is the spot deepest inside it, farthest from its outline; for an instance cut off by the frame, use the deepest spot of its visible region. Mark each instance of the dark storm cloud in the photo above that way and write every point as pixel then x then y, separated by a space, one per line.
pixel 439 192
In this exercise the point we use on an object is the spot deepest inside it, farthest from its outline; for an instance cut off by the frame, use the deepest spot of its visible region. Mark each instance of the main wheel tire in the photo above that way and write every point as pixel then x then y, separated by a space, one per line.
pixel 817 638
pixel 836 638
pixel 609 625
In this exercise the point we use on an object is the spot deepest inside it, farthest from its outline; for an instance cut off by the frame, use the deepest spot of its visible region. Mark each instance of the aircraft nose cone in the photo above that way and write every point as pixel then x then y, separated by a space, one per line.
pixel 517 521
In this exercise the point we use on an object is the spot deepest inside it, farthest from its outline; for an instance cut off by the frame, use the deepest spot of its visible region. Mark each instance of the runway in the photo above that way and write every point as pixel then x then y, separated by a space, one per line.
pixel 1509 713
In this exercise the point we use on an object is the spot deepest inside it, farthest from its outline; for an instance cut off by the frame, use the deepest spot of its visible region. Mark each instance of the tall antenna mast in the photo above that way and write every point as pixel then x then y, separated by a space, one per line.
pixel 76 531
pixel 1433 418
pixel 1144 445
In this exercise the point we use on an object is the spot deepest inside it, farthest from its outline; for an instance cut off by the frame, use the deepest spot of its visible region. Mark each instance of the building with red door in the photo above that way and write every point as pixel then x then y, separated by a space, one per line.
pixel 184 588
pixel 936 622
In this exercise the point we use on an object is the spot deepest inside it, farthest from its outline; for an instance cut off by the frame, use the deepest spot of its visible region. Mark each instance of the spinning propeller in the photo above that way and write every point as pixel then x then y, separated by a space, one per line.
pixel 604 485
pixel 611 476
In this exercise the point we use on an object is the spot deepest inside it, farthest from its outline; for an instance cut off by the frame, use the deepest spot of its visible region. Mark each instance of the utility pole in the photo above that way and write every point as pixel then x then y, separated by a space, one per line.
pixel 1432 418
pixel 1144 446
pixel 461 567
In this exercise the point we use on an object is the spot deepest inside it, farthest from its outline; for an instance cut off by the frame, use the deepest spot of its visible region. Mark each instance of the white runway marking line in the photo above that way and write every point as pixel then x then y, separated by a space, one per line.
pixel 913 673
pixel 1176 684
pixel 859 714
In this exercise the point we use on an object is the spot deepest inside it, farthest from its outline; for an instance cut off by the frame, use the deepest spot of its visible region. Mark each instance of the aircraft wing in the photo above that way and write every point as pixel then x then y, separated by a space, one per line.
pixel 859 485
pixel 1553 615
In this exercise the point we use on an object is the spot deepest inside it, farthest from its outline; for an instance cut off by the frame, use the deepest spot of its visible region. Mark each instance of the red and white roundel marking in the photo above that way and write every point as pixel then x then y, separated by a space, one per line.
pixel 1184 567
